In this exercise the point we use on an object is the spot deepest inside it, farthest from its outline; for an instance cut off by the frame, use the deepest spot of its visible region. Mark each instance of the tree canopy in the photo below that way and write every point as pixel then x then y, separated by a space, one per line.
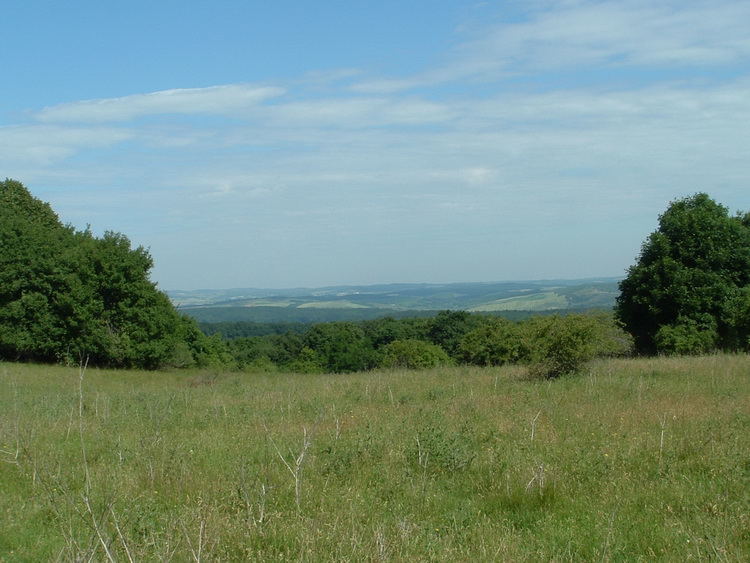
pixel 689 291
pixel 66 294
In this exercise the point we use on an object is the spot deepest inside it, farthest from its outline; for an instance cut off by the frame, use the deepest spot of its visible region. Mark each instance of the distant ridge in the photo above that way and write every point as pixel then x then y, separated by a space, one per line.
pixel 370 301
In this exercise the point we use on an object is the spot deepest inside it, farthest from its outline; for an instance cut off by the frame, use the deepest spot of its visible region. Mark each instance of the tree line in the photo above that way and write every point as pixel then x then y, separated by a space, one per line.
pixel 67 295
pixel 552 345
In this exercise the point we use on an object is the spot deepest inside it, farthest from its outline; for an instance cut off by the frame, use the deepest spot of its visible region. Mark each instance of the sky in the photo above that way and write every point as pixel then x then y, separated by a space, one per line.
pixel 309 143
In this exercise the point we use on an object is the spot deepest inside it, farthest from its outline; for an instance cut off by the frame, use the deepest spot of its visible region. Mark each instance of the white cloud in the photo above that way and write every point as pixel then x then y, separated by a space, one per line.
pixel 562 36
pixel 47 145
pixel 357 112
pixel 216 100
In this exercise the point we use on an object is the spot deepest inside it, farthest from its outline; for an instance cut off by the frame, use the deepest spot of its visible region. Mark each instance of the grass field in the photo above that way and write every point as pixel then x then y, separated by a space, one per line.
pixel 632 460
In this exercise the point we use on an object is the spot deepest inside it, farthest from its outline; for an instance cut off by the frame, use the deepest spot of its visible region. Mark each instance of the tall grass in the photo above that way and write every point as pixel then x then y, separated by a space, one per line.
pixel 631 460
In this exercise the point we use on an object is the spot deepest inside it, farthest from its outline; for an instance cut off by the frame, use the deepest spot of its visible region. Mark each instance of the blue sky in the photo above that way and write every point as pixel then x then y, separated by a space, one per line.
pixel 308 143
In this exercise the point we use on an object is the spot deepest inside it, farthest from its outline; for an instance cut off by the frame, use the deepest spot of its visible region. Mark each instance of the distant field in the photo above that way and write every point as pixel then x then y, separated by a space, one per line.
pixel 332 305
pixel 632 460
pixel 369 302
pixel 536 302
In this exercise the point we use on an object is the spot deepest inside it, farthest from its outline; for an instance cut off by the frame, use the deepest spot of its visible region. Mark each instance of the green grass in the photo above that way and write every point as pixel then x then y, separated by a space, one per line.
pixel 632 460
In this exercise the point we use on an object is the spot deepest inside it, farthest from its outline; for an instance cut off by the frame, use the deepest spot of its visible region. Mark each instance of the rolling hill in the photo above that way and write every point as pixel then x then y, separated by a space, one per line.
pixel 362 302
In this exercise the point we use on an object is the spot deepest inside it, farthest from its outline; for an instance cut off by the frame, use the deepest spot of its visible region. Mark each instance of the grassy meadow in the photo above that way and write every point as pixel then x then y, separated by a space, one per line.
pixel 645 459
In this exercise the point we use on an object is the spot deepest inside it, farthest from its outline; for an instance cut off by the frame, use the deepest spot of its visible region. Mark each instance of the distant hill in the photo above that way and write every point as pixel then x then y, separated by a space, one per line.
pixel 371 301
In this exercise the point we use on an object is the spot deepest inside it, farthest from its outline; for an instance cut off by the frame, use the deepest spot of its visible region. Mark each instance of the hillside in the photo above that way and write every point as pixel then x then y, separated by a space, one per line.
pixel 363 302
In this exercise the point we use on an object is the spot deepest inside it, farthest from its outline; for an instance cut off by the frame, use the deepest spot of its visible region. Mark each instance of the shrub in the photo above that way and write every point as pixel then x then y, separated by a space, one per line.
pixel 687 337
pixel 413 354
pixel 562 345
pixel 494 344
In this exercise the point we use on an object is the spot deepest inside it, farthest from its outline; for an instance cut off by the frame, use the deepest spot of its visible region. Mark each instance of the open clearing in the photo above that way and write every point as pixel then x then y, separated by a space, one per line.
pixel 631 460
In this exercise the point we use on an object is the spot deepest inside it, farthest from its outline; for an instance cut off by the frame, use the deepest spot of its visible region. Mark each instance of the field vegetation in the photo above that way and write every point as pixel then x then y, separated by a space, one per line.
pixel 630 459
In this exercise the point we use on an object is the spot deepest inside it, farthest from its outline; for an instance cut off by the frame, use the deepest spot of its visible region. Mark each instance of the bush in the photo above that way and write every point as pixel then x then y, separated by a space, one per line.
pixel 342 346
pixel 686 338
pixel 494 344
pixel 562 345
pixel 413 354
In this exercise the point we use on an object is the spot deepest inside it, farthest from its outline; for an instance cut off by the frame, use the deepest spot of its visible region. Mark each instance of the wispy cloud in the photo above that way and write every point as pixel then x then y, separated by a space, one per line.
pixel 216 100
pixel 598 36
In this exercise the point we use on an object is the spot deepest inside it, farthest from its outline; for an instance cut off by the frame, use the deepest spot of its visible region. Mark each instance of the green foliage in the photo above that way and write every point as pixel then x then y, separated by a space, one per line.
pixel 342 346
pixel 408 343
pixel 495 343
pixel 687 337
pixel 412 354
pixel 385 330
pixel 239 329
pixel 309 361
pixel 688 289
pixel 562 345
pixel 67 295
pixel 449 327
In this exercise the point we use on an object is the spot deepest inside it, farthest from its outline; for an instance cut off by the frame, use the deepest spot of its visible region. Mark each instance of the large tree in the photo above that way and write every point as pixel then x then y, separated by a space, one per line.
pixel 66 294
pixel 689 290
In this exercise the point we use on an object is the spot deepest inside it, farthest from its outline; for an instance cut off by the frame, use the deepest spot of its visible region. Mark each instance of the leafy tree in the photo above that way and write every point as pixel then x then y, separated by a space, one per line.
pixel 383 331
pixel 32 240
pixel 247 351
pixel 284 347
pixel 309 361
pixel 687 293
pixel 559 345
pixel 413 354
pixel 449 327
pixel 66 294
pixel 341 345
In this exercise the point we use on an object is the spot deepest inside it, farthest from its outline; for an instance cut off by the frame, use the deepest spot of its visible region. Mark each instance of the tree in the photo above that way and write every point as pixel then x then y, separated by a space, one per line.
pixel 385 330
pixel 687 293
pixel 32 240
pixel 449 327
pixel 66 295
pixel 340 346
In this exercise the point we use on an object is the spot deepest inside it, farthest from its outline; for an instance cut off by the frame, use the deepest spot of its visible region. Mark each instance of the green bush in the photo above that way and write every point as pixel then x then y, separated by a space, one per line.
pixel 342 346
pixel 413 354
pixel 496 343
pixel 562 345
pixel 686 338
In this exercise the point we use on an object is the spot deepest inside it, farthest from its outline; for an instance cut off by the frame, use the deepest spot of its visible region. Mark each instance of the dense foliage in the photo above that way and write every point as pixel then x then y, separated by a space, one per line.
pixel 66 295
pixel 689 292
pixel 552 345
